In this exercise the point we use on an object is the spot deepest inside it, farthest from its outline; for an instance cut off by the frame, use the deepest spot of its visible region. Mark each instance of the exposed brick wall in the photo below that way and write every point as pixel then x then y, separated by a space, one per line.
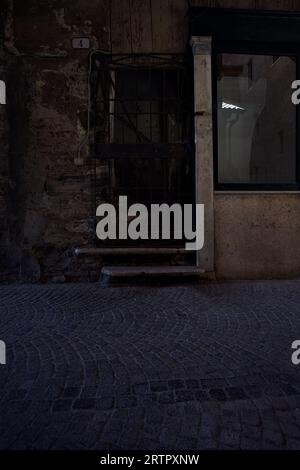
pixel 45 197
pixel 4 139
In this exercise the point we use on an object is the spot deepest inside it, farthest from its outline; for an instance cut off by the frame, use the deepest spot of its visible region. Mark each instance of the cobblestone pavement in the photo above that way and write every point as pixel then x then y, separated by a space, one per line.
pixel 173 368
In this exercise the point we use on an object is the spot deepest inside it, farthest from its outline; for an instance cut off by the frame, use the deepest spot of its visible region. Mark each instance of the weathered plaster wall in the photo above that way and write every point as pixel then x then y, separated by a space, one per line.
pixel 47 205
pixel 257 236
pixel 4 146
pixel 45 198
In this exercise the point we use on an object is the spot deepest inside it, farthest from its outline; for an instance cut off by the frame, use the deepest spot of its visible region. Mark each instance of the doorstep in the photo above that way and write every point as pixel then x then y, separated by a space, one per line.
pixel 151 271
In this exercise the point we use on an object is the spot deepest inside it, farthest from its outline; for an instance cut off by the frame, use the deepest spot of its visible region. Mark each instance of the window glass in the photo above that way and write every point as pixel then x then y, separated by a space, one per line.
pixel 256 119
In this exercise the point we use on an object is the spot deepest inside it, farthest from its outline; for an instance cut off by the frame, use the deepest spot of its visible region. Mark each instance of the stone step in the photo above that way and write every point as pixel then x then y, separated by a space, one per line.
pixel 129 251
pixel 151 271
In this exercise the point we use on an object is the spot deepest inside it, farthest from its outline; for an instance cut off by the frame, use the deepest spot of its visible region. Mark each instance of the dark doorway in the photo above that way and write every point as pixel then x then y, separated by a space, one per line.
pixel 143 129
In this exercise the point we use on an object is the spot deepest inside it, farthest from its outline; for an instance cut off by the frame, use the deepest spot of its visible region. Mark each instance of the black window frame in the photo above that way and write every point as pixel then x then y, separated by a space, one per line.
pixel 251 49
pixel 245 32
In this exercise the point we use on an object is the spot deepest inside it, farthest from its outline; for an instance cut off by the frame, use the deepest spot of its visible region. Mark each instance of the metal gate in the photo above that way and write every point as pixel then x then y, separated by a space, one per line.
pixel 142 118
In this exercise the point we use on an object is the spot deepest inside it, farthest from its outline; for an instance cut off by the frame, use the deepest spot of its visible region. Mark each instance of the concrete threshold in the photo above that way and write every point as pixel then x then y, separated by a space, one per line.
pixel 155 271
pixel 128 251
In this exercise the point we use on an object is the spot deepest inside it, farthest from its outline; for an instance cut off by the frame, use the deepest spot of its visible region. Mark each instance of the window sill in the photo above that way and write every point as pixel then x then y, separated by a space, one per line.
pixel 254 192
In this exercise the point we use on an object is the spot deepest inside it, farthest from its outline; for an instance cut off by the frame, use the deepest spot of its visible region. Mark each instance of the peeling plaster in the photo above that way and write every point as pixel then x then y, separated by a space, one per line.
pixel 9 37
pixel 60 18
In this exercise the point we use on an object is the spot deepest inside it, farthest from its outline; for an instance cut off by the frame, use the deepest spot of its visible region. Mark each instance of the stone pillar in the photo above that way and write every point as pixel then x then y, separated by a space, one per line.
pixel 204 165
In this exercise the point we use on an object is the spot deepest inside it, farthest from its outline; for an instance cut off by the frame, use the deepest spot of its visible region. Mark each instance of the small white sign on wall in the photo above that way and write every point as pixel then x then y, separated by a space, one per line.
pixel 2 92
pixel 81 43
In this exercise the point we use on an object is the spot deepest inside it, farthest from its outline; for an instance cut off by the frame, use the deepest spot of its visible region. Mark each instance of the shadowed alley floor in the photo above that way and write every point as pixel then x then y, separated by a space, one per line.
pixel 191 367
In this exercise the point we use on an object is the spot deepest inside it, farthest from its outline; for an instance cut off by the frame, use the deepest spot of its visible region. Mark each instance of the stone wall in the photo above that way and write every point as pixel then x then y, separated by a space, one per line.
pixel 257 236
pixel 46 191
